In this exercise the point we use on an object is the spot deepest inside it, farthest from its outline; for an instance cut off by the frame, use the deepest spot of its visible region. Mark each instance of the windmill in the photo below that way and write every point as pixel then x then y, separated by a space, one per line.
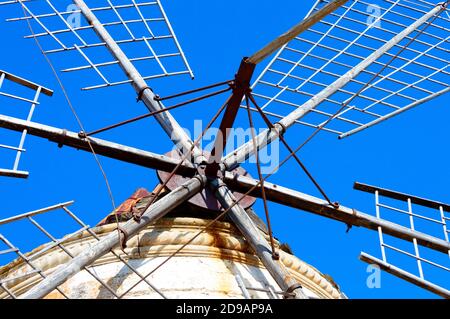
pixel 335 71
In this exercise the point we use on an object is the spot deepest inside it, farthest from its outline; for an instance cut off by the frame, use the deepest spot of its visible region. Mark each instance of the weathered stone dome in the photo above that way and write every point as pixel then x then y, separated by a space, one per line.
pixel 218 263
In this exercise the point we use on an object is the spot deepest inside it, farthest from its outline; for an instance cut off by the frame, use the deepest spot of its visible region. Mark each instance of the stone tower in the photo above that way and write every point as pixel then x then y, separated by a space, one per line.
pixel 218 263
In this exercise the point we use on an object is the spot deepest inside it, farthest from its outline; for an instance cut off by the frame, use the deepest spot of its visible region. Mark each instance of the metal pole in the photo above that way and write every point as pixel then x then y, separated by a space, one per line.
pixel 256 240
pixel 405 275
pixel 294 31
pixel 130 228
pixel 395 113
pixel 24 132
pixel 35 212
pixel 245 151
pixel 101 147
pixel 167 122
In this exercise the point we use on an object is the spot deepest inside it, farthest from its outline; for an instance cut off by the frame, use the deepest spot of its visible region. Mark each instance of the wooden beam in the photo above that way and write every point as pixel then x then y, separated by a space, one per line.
pixel 13 173
pixel 295 31
pixel 24 82
pixel 102 147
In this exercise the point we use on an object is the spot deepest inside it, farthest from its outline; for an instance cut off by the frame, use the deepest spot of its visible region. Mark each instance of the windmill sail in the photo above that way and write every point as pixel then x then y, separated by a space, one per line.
pixel 29 266
pixel 409 73
pixel 141 28
pixel 18 97
pixel 412 262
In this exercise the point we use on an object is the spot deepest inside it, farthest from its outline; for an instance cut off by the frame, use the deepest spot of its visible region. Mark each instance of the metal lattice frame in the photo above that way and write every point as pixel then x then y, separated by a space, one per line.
pixel 12 98
pixel 56 243
pixel 440 218
pixel 324 53
pixel 140 28
pixel 217 177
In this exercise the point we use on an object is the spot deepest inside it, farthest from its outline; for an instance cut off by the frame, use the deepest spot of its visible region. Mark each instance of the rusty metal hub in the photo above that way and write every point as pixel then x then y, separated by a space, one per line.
pixel 205 199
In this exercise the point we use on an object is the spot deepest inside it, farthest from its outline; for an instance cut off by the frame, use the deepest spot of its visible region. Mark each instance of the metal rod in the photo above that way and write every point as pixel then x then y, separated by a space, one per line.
pixel 296 30
pixel 88 27
pixel 260 176
pixel 48 15
pixel 256 240
pixel 177 43
pixel 140 117
pixel 229 82
pixel 24 132
pixel 29 84
pixel 380 229
pixel 276 194
pixel 102 64
pixel 150 77
pixel 12 173
pixel 99 44
pixel 395 113
pixel 131 228
pixel 444 225
pixel 241 285
pixel 401 196
pixel 35 212
pixel 167 122
pixel 406 275
pixel 9 292
pixel 266 137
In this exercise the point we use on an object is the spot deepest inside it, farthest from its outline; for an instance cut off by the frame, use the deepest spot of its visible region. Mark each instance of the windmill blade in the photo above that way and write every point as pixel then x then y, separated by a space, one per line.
pixel 29 266
pixel 17 97
pixel 77 28
pixel 324 53
pixel 354 69
pixel 418 213
pixel 347 215
pixel 141 28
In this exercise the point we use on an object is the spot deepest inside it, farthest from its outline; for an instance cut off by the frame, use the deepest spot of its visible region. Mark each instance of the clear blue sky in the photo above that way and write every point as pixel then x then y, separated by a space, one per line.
pixel 408 153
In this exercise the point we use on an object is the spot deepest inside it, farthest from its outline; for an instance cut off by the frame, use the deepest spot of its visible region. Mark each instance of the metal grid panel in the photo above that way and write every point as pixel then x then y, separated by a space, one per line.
pixel 416 214
pixel 69 219
pixel 18 97
pixel 411 73
pixel 140 28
